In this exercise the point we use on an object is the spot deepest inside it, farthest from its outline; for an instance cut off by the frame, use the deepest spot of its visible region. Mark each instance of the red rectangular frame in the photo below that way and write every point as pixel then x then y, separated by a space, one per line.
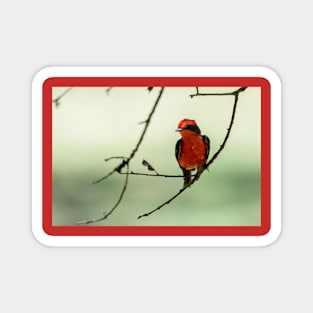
pixel 263 229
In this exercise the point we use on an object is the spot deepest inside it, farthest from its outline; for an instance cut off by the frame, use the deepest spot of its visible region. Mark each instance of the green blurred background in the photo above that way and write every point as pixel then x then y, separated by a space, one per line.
pixel 91 124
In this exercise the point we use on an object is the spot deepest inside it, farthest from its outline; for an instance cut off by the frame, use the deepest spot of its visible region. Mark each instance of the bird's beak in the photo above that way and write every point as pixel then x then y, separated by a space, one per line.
pixel 178 129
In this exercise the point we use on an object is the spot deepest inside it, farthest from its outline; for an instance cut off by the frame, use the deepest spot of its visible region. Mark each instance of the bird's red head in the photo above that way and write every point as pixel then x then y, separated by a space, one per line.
pixel 187 124
pixel 183 123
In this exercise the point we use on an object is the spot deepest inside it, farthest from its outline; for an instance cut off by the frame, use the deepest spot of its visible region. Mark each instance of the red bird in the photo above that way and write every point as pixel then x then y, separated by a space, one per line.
pixel 192 150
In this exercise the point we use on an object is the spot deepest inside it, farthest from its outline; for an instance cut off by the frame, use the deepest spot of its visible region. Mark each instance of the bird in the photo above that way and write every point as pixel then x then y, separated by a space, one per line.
pixel 191 150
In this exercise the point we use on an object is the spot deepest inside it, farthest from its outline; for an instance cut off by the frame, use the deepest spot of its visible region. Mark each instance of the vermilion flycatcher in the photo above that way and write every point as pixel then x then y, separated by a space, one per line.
pixel 192 150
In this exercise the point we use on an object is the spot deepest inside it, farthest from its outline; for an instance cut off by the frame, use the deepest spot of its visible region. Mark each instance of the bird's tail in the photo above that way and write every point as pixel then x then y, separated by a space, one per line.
pixel 187 177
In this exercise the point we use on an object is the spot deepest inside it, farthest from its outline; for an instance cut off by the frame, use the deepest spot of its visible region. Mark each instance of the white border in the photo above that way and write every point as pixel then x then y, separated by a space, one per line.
pixel 159 241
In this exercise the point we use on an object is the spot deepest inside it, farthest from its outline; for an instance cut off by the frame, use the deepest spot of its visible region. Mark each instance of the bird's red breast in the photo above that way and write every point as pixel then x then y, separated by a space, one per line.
pixel 193 151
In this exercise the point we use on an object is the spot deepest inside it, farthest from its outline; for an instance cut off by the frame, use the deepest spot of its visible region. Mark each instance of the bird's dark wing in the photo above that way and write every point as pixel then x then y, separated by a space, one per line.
pixel 178 148
pixel 207 144
pixel 186 173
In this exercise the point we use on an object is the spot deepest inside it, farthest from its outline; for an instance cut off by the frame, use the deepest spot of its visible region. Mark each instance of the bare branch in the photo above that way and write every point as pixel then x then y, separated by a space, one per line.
pixel 106 214
pixel 196 177
pixel 232 93
pixel 227 134
pixel 114 157
pixel 56 101
pixel 107 90
pixel 170 199
pixel 127 160
pixel 153 175
pixel 147 121
pixel 116 169
pixel 166 202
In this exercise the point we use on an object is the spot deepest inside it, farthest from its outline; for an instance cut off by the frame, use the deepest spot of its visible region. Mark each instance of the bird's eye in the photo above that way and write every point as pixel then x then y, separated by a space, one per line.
pixel 193 128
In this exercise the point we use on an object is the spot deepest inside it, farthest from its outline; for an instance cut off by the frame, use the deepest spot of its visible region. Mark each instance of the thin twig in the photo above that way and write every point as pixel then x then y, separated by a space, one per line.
pixel 104 177
pixel 234 93
pixel 147 124
pixel 227 134
pixel 113 171
pixel 172 198
pixel 107 90
pixel 168 201
pixel 152 175
pixel 56 101
pixel 127 160
pixel 106 214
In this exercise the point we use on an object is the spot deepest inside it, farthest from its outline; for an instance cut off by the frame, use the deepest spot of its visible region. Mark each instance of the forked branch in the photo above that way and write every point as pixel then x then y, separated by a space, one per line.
pixel 234 93
pixel 125 163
